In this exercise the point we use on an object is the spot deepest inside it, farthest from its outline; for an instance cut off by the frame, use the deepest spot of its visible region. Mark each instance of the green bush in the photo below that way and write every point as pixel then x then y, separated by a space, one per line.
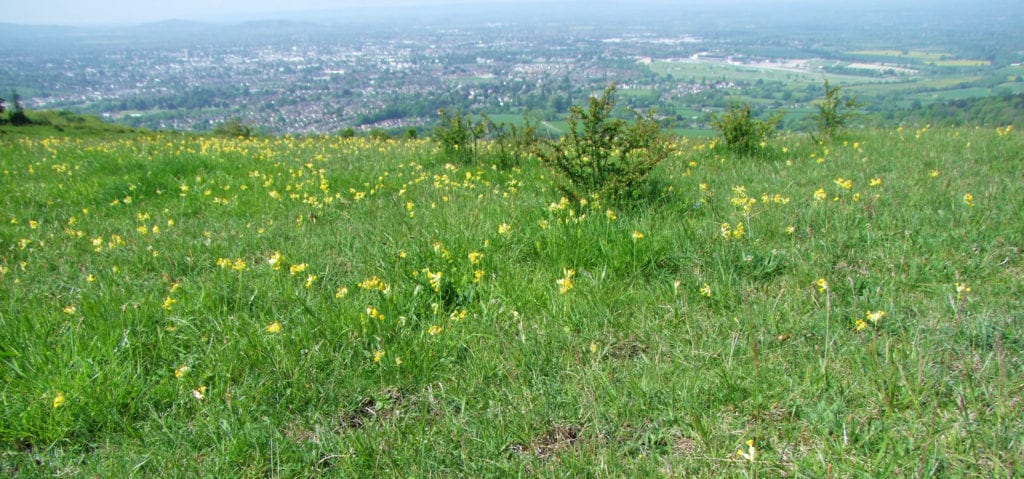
pixel 834 114
pixel 606 156
pixel 742 132
pixel 458 134
pixel 233 128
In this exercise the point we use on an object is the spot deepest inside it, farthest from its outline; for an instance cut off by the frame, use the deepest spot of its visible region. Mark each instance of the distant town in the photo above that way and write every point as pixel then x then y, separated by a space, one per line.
pixel 304 77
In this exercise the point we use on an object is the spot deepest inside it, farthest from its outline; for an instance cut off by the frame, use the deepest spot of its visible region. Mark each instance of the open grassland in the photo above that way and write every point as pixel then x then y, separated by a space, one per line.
pixel 192 306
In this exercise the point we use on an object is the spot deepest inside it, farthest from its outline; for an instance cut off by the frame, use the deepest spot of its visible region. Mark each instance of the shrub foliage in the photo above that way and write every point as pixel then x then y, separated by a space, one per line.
pixel 604 155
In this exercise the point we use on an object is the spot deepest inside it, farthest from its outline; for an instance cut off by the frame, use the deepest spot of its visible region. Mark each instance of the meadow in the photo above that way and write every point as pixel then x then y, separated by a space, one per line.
pixel 176 305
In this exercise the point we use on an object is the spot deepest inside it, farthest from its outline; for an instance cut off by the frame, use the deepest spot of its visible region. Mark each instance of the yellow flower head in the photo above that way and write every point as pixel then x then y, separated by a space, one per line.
pixel 378 355
pixel 705 290
pixel 822 285
pixel 297 268
pixel 58 400
pixel 273 328
pixel 435 280
pixel 637 236
pixel 181 371
pixel 566 282
pixel 504 229
pixel 874 316
pixel 435 330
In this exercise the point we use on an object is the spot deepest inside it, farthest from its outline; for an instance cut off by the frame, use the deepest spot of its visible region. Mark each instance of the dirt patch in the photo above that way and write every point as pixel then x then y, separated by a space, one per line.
pixel 551 442
pixel 384 406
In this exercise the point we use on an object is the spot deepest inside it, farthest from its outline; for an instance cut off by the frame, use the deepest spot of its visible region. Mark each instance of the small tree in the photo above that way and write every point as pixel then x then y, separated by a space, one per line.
pixel 742 132
pixel 458 135
pixel 605 155
pixel 234 128
pixel 17 116
pixel 834 114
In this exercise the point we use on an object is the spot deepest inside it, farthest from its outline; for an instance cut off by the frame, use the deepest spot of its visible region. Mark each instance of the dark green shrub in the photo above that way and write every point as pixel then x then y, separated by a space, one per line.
pixel 233 128
pixel 603 155
pixel 743 133
pixel 458 135
pixel 835 114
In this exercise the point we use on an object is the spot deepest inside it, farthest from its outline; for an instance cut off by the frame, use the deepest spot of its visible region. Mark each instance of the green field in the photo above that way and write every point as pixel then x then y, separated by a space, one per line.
pixel 182 306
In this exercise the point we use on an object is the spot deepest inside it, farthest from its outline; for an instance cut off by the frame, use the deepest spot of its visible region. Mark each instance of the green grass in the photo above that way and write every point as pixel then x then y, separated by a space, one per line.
pixel 123 292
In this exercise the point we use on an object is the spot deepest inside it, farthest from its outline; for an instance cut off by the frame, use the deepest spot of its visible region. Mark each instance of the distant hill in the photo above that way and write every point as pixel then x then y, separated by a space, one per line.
pixel 65 123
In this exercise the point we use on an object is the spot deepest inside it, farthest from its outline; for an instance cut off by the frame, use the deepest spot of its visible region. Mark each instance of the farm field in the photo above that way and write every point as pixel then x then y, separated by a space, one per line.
pixel 180 305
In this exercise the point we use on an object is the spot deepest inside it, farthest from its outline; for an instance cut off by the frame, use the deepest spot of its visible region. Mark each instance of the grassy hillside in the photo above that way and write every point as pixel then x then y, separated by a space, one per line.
pixel 183 306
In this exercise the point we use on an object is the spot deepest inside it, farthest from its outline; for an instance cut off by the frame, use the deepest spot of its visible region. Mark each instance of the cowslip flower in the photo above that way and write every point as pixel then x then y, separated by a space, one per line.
pixel 874 316
pixel 297 268
pixel 751 452
pixel 637 236
pixel 475 257
pixel 504 229
pixel 275 260
pixel 273 328
pixel 705 290
pixel 820 195
pixel 435 280
pixel 58 400
pixel 378 355
pixel 566 282
pixel 961 290
pixel 435 330
pixel 822 285
pixel 968 199
pixel 181 371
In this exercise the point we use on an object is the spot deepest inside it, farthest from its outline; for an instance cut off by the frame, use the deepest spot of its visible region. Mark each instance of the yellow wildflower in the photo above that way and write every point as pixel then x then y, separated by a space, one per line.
pixel 822 285
pixel 820 195
pixel 705 290
pixel 843 183
pixel 750 454
pixel 297 268
pixel 435 280
pixel 874 316
pixel 566 283
pixel 860 325
pixel 504 229
pixel 181 371
pixel 475 257
pixel 968 199
pixel 378 355
pixel 434 330
pixel 273 328
pixel 637 236
pixel 58 400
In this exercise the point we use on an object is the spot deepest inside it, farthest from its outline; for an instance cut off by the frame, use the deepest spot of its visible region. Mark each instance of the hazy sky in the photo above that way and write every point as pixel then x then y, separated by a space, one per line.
pixel 114 12
pixel 78 12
